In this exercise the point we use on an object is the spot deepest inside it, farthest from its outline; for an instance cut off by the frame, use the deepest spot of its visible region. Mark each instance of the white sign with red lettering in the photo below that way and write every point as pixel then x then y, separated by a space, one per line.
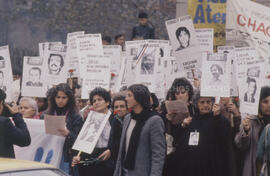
pixel 248 24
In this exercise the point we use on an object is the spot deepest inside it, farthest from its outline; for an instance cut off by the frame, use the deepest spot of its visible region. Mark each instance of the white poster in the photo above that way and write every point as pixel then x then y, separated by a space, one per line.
pixel 247 24
pixel 72 55
pixel 171 71
pixel 182 36
pixel 134 52
pixel 88 44
pixel 115 53
pixel 205 38
pixel 229 50
pixel 164 54
pixel 90 132
pixel 96 73
pixel 216 75
pixel 32 86
pixel 147 65
pixel 6 77
pixel 185 45
pixel 42 46
pixel 54 65
pixel 249 79
pixel 122 80
pixel 43 148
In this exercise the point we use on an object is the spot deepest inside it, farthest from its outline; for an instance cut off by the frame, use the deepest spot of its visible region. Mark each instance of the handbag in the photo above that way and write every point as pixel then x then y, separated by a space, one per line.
pixel 264 169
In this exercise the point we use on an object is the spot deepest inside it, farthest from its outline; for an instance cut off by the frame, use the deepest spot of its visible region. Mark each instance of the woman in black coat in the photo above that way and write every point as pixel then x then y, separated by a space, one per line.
pixel 204 146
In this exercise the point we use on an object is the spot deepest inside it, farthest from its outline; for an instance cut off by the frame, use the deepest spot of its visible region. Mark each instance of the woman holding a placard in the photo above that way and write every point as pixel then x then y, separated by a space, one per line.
pixel 204 146
pixel 248 137
pixel 98 162
pixel 62 103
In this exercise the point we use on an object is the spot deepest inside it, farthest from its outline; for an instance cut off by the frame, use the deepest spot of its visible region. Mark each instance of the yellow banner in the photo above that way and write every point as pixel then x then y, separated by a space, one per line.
pixel 209 14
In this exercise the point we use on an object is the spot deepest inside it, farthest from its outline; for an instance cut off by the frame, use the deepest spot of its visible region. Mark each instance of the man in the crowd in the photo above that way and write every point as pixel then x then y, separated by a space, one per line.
pixel 120 39
pixel 106 40
pixel 10 134
pixel 144 30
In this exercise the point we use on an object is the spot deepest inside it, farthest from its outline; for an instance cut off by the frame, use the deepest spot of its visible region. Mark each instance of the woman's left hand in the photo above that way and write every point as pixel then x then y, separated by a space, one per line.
pixel 105 155
pixel 64 131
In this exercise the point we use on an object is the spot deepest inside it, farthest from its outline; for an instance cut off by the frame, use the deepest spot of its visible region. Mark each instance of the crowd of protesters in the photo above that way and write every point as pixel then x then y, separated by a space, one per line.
pixel 211 140
pixel 141 138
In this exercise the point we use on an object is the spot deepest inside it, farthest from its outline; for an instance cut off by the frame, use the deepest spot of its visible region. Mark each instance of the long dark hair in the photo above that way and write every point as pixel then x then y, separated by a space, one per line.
pixel 71 105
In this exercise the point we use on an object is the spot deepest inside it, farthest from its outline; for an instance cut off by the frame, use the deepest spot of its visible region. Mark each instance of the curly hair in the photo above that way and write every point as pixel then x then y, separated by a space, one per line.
pixel 102 93
pixel 52 93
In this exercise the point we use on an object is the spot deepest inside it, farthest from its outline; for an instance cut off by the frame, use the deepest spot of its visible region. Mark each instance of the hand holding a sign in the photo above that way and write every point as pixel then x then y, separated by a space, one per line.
pixel 64 131
pixel 187 121
pixel 246 124
pixel 75 160
pixel 105 155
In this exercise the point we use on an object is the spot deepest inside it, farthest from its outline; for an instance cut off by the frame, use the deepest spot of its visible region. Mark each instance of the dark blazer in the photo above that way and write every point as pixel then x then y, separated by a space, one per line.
pixel 10 135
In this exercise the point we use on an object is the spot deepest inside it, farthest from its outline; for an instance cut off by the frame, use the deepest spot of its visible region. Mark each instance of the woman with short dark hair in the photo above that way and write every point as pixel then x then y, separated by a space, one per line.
pixel 99 160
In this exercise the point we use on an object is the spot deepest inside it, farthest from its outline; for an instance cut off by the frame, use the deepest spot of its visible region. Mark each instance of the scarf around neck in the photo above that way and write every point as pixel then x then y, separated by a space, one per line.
pixel 130 155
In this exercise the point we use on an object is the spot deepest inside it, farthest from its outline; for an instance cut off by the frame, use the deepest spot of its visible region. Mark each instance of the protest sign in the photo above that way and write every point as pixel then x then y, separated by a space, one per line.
pixel 171 71
pixel 122 80
pixel 134 52
pixel 249 79
pixel 72 55
pixel 229 50
pixel 88 44
pixel 54 65
pixel 182 36
pixel 91 131
pixel 247 25
pixel 43 148
pixel 31 80
pixel 185 46
pixel 216 75
pixel 115 53
pixel 147 64
pixel 54 123
pixel 95 73
pixel 209 14
pixel 205 38
pixel 6 77
pixel 42 46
